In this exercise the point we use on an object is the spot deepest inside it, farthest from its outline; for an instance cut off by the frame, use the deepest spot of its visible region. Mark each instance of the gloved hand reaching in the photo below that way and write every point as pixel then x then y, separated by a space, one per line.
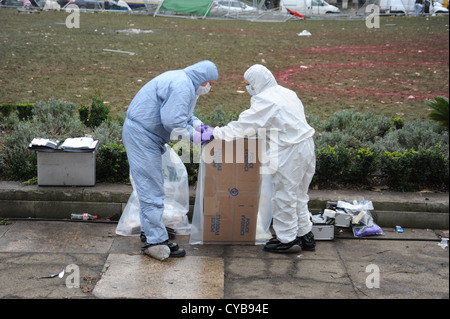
pixel 202 128
pixel 203 134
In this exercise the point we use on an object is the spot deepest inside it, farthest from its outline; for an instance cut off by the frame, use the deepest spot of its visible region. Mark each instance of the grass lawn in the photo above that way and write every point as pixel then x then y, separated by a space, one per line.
pixel 390 70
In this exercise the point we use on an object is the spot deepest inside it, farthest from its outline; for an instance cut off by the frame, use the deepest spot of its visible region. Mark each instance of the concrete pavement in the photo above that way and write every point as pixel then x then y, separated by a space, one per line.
pixel 40 242
pixel 100 264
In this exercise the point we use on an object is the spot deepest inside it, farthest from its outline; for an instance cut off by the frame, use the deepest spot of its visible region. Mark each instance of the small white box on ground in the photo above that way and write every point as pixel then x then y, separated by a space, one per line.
pixel 66 168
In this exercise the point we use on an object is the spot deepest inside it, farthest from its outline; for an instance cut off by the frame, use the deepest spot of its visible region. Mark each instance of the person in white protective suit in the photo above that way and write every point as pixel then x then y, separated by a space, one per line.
pixel 276 107
pixel 161 110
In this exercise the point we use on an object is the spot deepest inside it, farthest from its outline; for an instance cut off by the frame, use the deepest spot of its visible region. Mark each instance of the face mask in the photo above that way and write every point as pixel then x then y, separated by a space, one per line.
pixel 250 90
pixel 203 89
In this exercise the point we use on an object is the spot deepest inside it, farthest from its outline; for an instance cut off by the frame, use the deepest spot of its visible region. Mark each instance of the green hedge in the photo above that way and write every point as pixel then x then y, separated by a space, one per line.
pixel 352 149
pixel 411 169
pixel 23 110
pixel 337 166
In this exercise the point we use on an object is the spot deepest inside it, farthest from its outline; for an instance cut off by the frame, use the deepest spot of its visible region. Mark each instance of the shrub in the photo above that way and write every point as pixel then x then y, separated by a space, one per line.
pixel 16 161
pixel 398 123
pixel 51 119
pixel 112 163
pixel 430 169
pixel 57 119
pixel 365 127
pixel 94 115
pixel 418 135
pixel 341 166
pixel 349 129
pixel 6 109
pixel 20 164
pixel 109 131
pixel 362 166
pixel 331 165
pixel 24 110
pixel 440 110
pixel 410 170
pixel 350 147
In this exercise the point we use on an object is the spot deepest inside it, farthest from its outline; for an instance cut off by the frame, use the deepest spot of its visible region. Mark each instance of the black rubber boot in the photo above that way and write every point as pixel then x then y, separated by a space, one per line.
pixel 275 246
pixel 307 242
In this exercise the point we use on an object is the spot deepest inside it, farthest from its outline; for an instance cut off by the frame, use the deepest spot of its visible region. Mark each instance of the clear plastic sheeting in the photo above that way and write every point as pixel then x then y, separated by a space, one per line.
pixel 176 202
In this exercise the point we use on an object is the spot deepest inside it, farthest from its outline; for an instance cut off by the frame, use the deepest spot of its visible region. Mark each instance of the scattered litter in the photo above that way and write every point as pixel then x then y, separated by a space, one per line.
pixel 347 214
pixel 399 229
pixel 134 31
pixel 119 51
pixel 84 216
pixel 304 33
pixel 444 243
pixel 59 274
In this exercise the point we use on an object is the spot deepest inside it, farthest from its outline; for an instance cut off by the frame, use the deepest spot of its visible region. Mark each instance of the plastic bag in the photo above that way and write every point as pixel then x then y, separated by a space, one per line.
pixel 362 221
pixel 360 231
pixel 264 218
pixel 129 222
pixel 176 201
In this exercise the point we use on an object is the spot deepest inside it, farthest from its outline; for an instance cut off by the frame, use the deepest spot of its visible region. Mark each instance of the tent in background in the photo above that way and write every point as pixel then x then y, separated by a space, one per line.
pixel 199 7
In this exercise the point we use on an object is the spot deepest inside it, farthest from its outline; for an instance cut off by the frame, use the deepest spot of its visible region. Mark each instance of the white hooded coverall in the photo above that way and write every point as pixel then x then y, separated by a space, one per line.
pixel 275 107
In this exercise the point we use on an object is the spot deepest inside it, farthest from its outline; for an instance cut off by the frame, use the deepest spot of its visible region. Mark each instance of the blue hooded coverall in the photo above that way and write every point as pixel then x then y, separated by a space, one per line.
pixel 165 103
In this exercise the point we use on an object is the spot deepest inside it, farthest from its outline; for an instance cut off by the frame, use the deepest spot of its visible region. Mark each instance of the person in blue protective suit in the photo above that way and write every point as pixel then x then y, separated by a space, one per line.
pixel 163 107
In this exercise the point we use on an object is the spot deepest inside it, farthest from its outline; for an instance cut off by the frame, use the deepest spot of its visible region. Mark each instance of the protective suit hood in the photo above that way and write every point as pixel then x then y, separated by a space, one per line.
pixel 202 72
pixel 260 78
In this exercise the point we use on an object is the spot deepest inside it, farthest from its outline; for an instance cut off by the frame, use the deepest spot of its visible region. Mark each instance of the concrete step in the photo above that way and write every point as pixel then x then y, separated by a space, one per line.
pixel 107 201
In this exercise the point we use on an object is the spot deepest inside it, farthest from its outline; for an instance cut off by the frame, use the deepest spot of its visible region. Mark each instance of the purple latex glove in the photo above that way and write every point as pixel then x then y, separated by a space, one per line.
pixel 202 128
pixel 367 231
pixel 203 134
pixel 207 134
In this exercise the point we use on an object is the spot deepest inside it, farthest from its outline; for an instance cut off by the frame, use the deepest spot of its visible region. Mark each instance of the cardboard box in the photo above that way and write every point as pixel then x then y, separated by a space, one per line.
pixel 231 192
pixel 60 168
